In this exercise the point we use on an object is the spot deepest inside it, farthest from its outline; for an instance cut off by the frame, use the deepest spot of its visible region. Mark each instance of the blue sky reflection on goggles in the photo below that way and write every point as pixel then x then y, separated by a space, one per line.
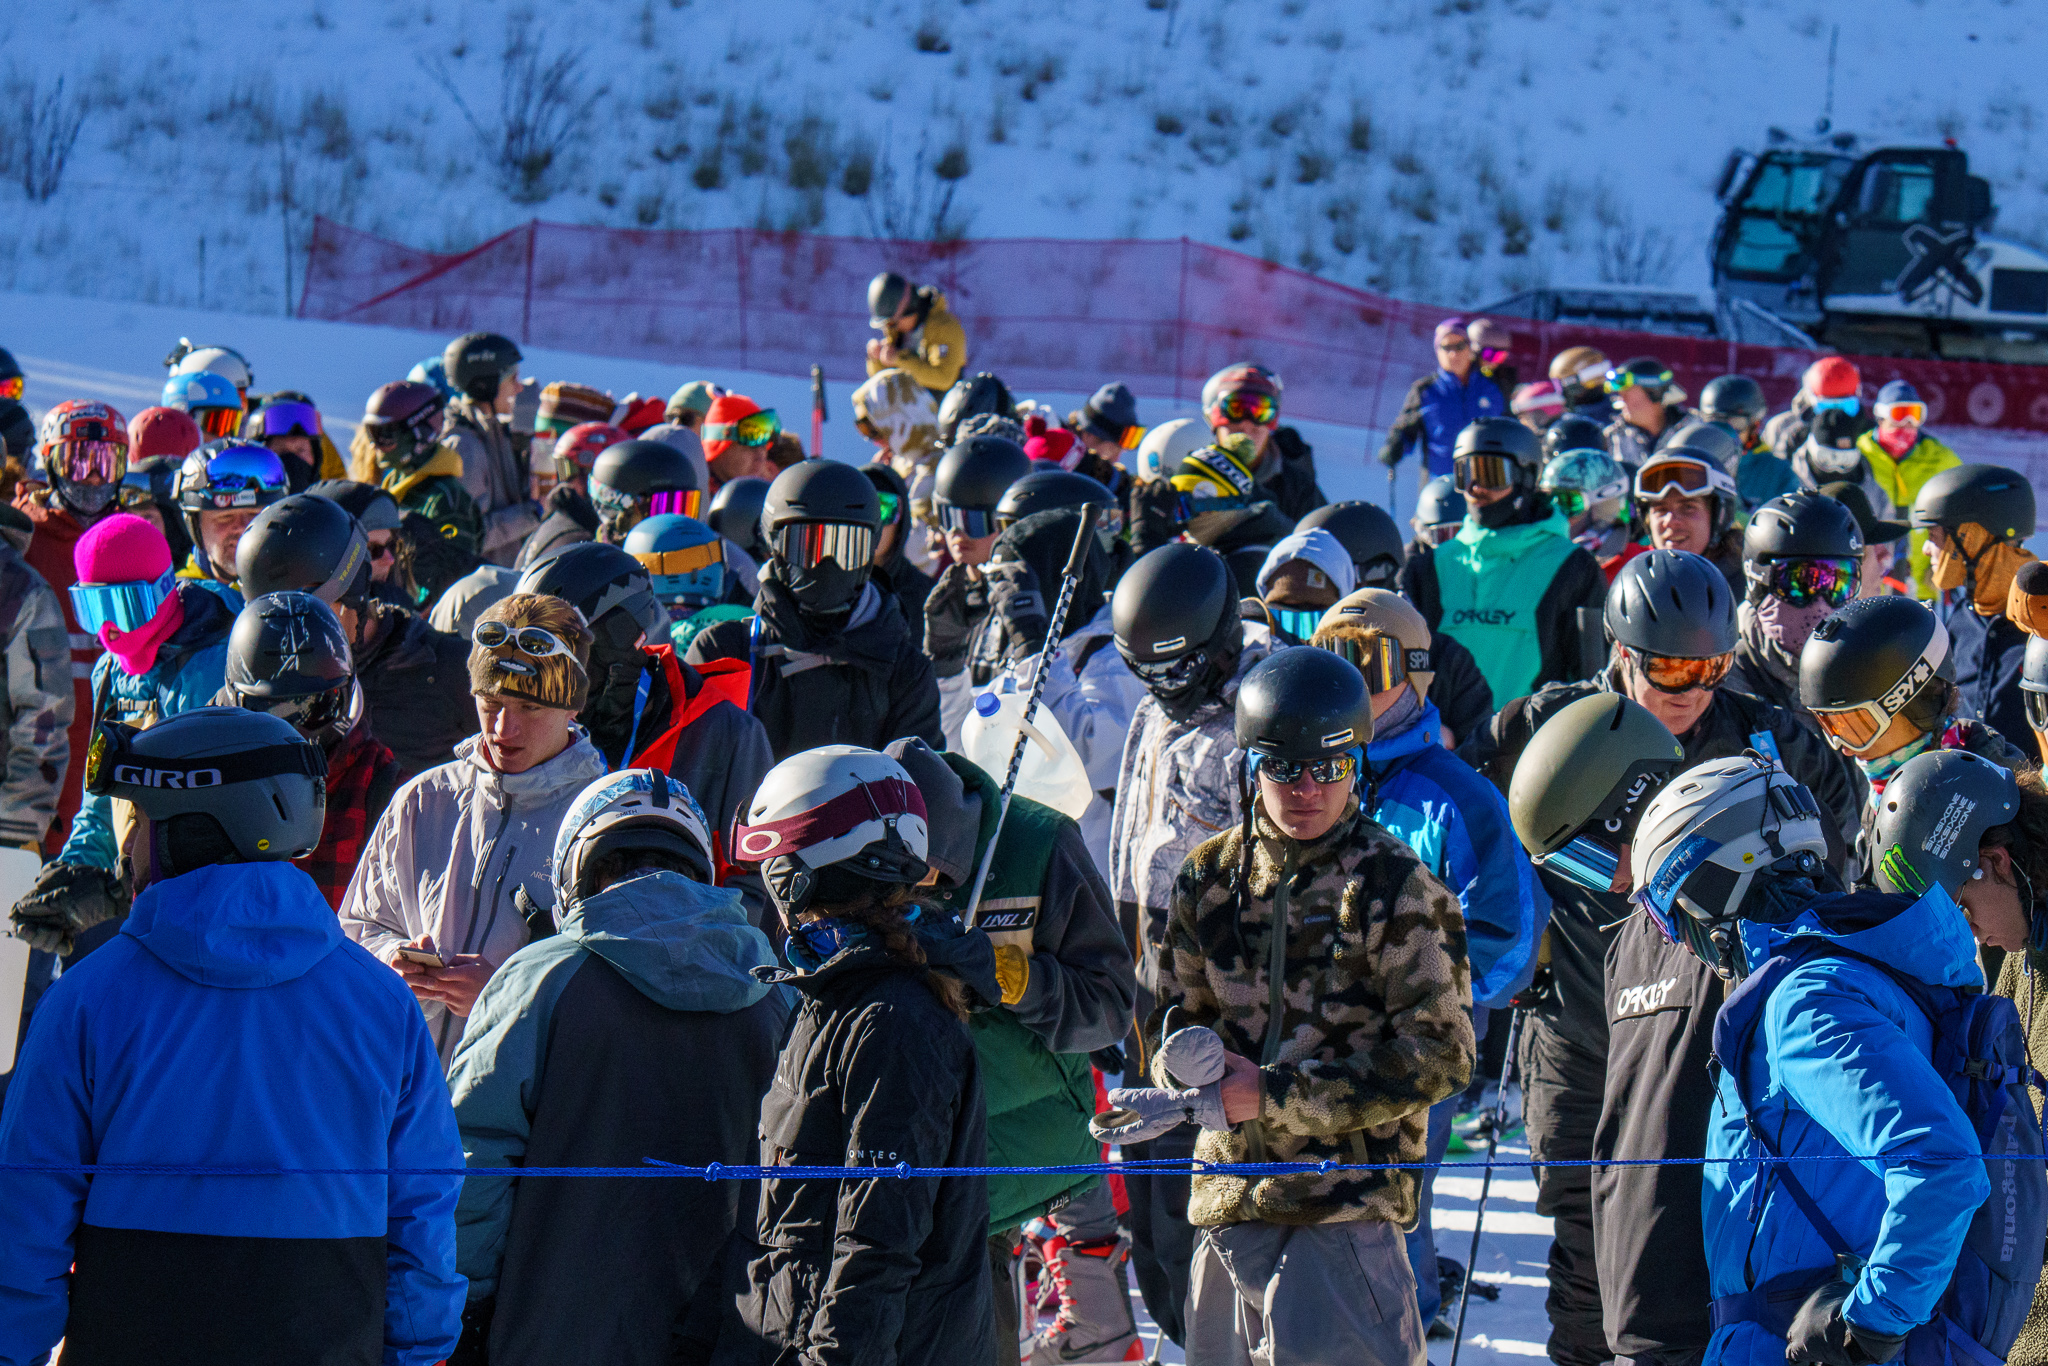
pixel 1299 622
pixel 1848 403
pixel 1585 861
pixel 973 523
pixel 124 606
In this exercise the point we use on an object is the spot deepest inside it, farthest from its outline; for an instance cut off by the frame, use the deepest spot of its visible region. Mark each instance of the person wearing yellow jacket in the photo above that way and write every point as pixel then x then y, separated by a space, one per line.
pixel 920 335
pixel 1902 457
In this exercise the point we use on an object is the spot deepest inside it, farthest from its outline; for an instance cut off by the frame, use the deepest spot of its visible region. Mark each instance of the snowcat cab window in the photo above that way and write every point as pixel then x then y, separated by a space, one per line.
pixel 1896 192
pixel 1794 183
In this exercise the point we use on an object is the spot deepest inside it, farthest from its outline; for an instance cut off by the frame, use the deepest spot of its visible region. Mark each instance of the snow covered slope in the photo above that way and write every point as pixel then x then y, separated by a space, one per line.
pixel 1435 149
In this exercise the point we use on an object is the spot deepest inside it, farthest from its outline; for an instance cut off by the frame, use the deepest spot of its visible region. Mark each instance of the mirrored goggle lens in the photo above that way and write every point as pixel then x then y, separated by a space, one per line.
pixel 675 502
pixel 1133 434
pixel 1669 674
pixel 316 711
pixel 1802 582
pixel 218 422
pixel 1384 661
pixel 609 499
pixel 755 429
pixel 1851 404
pixel 2037 710
pixel 1854 728
pixel 1168 675
pixel 288 419
pixel 686 561
pixel 809 544
pixel 1571 502
pixel 891 505
pixel 1335 769
pixel 1441 532
pixel 1484 472
pixel 124 606
pixel 1299 622
pixel 1910 413
pixel 11 388
pixel 1585 861
pixel 87 462
pixel 528 640
pixel 973 523
pixel 1685 477
pixel 1618 380
pixel 1248 407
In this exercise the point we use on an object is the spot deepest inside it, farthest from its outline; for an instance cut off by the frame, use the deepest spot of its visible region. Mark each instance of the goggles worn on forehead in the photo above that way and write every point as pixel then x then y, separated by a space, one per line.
pixel 973 523
pixel 1382 658
pixel 1484 471
pixel 809 544
pixel 1856 728
pixel 1804 582
pixel 1674 674
pixel 884 799
pixel 1246 406
pixel 111 762
pixel 1337 768
pixel 755 429
pixel 123 606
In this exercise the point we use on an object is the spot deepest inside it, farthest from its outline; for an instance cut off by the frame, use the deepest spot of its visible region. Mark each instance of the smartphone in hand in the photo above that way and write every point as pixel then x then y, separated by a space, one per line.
pixel 425 958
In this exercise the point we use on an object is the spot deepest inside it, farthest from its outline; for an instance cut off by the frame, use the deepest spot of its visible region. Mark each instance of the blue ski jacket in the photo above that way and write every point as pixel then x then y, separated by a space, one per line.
pixel 231 1024
pixel 1842 1064
pixel 1457 824
pixel 1437 408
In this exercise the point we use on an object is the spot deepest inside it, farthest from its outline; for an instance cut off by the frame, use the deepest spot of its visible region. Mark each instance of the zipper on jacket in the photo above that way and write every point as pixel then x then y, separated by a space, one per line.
pixel 1276 993
pixel 476 883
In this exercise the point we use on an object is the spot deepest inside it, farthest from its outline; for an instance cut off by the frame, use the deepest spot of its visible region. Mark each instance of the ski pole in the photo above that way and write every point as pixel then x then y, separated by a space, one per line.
pixel 1392 511
pixel 817 411
pixel 1500 1112
pixel 1070 578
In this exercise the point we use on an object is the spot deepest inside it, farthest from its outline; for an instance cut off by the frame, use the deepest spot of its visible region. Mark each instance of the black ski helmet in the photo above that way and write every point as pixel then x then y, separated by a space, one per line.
pixel 1044 490
pixel 885 296
pixel 971 397
pixel 1803 525
pixel 1729 397
pixel 1653 375
pixel 597 580
pixel 1175 622
pixel 1573 432
pixel 1502 436
pixel 637 468
pixel 1302 704
pixel 9 367
pixel 1440 504
pixel 1932 816
pixel 306 544
pixel 1673 604
pixel 975 474
pixel 476 364
pixel 1368 536
pixel 288 655
pixel 825 576
pixel 1890 653
pixel 736 515
pixel 1991 496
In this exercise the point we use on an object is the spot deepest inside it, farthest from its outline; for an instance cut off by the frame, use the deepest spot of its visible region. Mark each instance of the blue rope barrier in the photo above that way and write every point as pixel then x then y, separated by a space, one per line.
pixel 719 1171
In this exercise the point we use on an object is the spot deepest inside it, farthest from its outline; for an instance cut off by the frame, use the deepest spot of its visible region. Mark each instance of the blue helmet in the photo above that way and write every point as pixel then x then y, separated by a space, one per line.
pixel 200 389
pixel 433 370
pixel 684 557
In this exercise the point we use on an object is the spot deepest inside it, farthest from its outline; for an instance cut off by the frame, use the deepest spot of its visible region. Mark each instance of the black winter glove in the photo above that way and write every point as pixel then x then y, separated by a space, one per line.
pixel 1014 596
pixel 474 1347
pixel 67 900
pixel 1820 1334
pixel 1390 456
pixel 951 614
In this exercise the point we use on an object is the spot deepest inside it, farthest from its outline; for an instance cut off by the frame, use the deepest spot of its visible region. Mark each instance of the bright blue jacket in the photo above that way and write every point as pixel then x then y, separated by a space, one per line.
pixel 1841 1064
pixel 1448 407
pixel 230 1024
pixel 1457 824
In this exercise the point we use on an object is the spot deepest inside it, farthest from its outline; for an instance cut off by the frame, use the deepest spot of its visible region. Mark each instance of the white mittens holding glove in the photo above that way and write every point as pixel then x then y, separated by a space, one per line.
pixel 1192 1057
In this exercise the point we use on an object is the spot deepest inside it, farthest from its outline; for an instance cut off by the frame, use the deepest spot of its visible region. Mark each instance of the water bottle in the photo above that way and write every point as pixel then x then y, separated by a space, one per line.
pixel 1052 772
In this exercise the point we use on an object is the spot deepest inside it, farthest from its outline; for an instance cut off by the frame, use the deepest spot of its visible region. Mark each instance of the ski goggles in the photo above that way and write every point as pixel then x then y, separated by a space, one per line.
pixel 1675 674
pixel 1854 729
pixel 11 388
pixel 661 502
pixel 1439 532
pixel 1337 768
pixel 1571 502
pixel 1484 471
pixel 87 462
pixel 755 429
pixel 688 560
pixel 1584 860
pixel 1247 406
pixel 891 504
pixel 1384 660
pixel 1848 403
pixel 1804 582
pixel 1133 435
pixel 1298 622
pixel 1169 675
pixel 973 523
pixel 235 480
pixel 1618 379
pixel 123 606
pixel 112 763
pixel 535 642
pixel 809 544
pixel 2037 710
pixel 310 712
pixel 218 422
pixel 285 418
pixel 1689 477
pixel 1902 414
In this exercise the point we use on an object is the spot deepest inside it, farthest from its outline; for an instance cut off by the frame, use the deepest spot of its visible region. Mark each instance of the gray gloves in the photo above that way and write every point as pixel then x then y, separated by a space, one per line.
pixel 1192 1057
pixel 67 900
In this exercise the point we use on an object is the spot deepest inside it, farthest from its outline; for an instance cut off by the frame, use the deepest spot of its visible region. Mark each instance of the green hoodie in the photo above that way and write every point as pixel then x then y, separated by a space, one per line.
pixel 1490 582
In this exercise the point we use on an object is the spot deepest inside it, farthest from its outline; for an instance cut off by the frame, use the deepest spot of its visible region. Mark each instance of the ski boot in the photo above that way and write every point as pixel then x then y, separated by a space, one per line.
pixel 1094 1322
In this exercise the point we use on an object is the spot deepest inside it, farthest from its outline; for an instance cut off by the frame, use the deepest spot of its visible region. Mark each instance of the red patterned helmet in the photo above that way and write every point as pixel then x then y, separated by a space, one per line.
pixel 582 444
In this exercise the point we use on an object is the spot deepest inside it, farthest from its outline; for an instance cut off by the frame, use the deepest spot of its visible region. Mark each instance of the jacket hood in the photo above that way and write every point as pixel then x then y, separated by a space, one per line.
pixel 236 924
pixel 684 945
pixel 900 409
pixel 1511 542
pixel 446 459
pixel 578 764
pixel 1927 939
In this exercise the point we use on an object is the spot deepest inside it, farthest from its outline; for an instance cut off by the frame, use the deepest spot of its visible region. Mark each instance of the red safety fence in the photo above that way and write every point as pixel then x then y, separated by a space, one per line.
pixel 1048 315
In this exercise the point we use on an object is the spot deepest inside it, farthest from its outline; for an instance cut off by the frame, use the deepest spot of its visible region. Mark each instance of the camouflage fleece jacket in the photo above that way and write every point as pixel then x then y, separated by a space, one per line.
pixel 1375 1020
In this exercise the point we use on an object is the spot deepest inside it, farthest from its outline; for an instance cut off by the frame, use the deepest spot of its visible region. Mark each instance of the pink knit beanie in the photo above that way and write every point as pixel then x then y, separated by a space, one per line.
pixel 123 548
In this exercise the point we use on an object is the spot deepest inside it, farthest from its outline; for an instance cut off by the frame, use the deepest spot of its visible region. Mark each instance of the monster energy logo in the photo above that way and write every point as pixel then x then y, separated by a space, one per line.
pixel 1898 870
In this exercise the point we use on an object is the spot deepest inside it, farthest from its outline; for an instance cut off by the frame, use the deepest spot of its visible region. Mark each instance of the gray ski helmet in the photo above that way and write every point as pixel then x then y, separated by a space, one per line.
pixel 1584 779
pixel 1932 815
pixel 1993 497
pixel 1728 397
pixel 307 544
pixel 1573 432
pixel 1712 440
pixel 885 295
pixel 976 473
pixel 1875 660
pixel 1301 704
pixel 476 363
pixel 1501 436
pixel 983 394
pixel 637 468
pixel 213 780
pixel 1440 504
pixel 598 579
pixel 1368 536
pixel 287 655
pixel 735 514
pixel 2034 683
pixel 1672 604
pixel 1803 525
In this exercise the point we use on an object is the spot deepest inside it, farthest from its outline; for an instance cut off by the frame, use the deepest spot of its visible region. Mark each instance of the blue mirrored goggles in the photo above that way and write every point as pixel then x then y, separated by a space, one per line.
pixel 123 606
pixel 1298 622
pixel 1850 404
pixel 973 523
pixel 1585 861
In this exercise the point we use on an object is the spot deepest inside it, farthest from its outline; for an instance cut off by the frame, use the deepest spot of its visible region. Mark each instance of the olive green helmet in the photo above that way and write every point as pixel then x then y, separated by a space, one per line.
pixel 1582 781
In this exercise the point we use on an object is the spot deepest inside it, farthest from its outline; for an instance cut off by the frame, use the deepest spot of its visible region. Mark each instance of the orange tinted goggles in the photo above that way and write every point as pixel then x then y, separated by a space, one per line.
pixel 1674 675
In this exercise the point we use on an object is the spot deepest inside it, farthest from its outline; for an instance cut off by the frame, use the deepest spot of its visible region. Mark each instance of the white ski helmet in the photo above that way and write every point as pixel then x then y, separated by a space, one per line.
pixel 635 808
pixel 1166 445
pixel 224 361
pixel 838 805
pixel 1707 835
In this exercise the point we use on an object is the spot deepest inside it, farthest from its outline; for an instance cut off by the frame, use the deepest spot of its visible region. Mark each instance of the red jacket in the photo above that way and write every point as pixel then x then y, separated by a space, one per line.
pixel 361 776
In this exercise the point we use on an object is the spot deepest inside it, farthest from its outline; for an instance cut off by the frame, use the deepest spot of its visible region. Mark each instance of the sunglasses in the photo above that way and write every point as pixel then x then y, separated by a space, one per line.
pixel 11 388
pixel 1484 472
pixel 1688 477
pixel 1902 414
pixel 1804 582
pixel 809 544
pixel 1454 347
pixel 1245 406
pixel 1850 404
pixel 1383 659
pixel 1337 768
pixel 1672 674
pixel 536 642
pixel 1299 622
pixel 755 429
pixel 386 549
pixel 973 523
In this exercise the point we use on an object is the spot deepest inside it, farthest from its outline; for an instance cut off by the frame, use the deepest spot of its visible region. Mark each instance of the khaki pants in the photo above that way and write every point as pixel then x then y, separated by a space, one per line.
pixel 1321 1295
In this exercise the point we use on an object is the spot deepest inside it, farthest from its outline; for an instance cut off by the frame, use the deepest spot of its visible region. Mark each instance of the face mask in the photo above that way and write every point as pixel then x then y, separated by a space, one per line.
pixel 1405 712
pixel 815 942
pixel 1503 513
pixel 1786 627
pixel 89 500
pixel 1879 771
